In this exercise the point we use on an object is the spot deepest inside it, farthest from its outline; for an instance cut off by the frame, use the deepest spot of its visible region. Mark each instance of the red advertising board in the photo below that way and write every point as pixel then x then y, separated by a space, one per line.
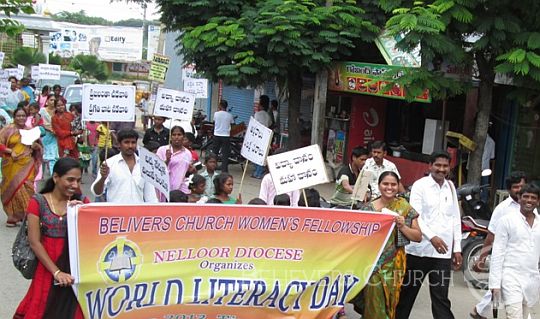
pixel 368 114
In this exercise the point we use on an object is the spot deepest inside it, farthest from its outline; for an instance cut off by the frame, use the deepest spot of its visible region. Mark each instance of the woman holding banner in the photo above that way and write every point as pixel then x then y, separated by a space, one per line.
pixel 380 297
pixel 178 160
pixel 47 234
pixel 20 165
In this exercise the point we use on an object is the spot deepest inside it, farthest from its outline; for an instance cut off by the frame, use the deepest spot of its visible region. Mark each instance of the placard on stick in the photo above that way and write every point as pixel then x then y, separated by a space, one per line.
pixel 48 71
pixel 256 142
pixel 108 103
pixel 297 169
pixel 174 104
pixel 155 171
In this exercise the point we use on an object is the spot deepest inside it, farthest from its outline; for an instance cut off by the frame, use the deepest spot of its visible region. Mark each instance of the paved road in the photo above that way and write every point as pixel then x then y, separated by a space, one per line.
pixel 14 286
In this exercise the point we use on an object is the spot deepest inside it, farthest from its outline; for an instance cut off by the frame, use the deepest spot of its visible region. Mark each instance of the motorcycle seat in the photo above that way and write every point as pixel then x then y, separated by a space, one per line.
pixel 480 223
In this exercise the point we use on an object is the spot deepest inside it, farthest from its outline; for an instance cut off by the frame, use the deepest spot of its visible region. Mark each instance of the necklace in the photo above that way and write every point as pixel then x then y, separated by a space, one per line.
pixel 54 209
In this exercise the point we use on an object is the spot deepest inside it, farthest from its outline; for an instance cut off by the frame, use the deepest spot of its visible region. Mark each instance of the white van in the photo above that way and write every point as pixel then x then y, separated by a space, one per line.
pixel 66 78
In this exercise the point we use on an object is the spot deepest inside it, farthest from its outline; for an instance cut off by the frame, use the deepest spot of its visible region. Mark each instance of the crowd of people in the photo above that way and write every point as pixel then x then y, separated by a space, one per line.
pixel 426 241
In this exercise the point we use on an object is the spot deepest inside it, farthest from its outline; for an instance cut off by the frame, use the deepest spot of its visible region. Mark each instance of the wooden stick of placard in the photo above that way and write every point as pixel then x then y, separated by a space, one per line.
pixel 243 176
pixel 305 197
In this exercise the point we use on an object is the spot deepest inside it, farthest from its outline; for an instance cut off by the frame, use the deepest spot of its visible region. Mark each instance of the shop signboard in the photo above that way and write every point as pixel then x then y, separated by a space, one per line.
pixel 364 78
pixel 158 68
pixel 394 56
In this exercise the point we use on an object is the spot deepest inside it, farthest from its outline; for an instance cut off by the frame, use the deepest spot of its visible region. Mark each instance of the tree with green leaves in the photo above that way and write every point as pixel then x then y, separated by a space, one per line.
pixel 489 37
pixel 9 7
pixel 27 57
pixel 89 66
pixel 249 42
pixel 79 18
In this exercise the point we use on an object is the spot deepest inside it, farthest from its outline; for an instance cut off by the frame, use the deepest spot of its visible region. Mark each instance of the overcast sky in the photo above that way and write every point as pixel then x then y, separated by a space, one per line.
pixel 118 10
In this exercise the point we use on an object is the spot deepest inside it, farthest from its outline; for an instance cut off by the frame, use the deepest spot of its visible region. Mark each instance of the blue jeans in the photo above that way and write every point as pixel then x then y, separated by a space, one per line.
pixel 259 171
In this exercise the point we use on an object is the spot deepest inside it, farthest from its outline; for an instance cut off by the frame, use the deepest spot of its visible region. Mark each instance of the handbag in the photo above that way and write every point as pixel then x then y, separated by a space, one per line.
pixel 23 256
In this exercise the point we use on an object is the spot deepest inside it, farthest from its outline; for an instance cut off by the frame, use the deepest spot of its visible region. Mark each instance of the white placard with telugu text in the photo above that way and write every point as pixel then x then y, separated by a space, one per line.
pixel 174 104
pixel 198 87
pixel 108 103
pixel 49 71
pixel 20 72
pixel 155 171
pixel 297 169
pixel 2 55
pixel 5 88
pixel 256 142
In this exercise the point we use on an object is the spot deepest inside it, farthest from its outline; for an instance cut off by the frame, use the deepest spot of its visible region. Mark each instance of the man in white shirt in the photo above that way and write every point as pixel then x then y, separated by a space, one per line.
pixel 261 116
pixel 13 97
pixel 434 198
pixel 222 134
pixel 121 177
pixel 514 182
pixel 513 276
pixel 377 164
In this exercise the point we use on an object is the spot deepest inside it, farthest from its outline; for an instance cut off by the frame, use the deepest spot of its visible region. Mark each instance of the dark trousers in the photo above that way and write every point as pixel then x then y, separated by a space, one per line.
pixel 439 272
pixel 222 146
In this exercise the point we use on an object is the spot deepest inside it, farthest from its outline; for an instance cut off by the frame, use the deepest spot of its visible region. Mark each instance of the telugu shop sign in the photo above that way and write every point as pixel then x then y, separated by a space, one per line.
pixel 364 78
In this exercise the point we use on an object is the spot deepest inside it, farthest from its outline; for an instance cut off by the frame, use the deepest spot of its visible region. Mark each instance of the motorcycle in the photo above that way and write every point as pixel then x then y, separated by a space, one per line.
pixel 474 229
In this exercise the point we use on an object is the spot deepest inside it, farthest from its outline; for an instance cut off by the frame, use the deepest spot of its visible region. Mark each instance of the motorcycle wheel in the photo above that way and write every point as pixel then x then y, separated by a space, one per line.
pixel 470 255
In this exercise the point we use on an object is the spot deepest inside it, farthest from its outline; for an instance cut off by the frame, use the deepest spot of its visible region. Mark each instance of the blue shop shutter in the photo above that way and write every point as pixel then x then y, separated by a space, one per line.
pixel 240 102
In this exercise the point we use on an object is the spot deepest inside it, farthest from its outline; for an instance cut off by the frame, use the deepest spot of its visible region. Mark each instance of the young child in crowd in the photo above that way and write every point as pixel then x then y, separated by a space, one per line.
pixel 91 127
pixel 36 119
pixel 257 201
pixel 152 146
pixel 177 196
pixel 282 200
pixel 104 136
pixel 76 124
pixel 197 185
pixel 189 139
pixel 223 184
pixel 210 173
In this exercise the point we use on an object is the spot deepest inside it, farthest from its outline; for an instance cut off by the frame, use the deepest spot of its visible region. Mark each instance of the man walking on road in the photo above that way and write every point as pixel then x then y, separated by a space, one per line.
pixel 513 276
pixel 222 134
pixel 434 197
pixel 514 183
pixel 261 116
pixel 121 177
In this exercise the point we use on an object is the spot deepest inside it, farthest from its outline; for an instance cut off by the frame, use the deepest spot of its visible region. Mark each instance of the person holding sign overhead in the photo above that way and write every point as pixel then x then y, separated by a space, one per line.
pixel 178 160
pixel 222 134
pixel 121 177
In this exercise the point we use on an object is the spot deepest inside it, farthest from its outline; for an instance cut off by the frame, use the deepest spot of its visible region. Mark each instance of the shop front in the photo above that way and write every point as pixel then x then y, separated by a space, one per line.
pixel 360 110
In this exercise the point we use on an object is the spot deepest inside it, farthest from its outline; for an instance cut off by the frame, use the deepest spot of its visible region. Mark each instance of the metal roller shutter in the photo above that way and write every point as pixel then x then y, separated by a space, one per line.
pixel 240 102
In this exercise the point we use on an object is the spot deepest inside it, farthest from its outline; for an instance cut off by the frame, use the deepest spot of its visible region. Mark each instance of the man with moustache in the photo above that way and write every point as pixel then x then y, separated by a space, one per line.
pixel 514 183
pixel 120 175
pixel 513 276
pixel 434 198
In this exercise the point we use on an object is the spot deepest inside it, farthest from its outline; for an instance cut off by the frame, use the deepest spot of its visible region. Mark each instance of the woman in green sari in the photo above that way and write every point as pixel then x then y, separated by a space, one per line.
pixel 380 297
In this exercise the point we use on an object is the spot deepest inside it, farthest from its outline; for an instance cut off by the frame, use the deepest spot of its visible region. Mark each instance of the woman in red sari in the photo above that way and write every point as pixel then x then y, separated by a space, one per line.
pixel 20 164
pixel 47 234
pixel 61 125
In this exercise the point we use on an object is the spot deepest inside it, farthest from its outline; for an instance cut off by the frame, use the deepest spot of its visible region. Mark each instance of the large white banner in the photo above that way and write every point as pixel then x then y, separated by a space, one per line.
pixel 155 171
pixel 109 103
pixel 297 169
pixel 198 87
pixel 106 42
pixel 174 104
pixel 256 142
pixel 48 71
